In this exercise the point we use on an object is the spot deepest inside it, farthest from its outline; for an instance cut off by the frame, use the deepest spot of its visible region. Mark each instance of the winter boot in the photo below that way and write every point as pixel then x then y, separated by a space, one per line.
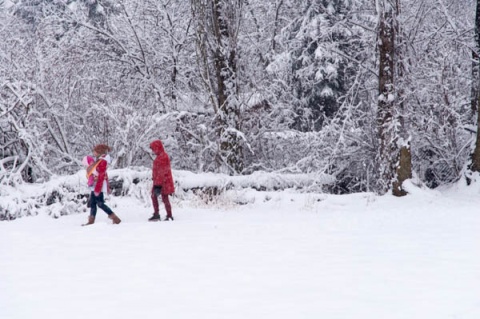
pixel 91 220
pixel 115 218
pixel 169 217
pixel 154 218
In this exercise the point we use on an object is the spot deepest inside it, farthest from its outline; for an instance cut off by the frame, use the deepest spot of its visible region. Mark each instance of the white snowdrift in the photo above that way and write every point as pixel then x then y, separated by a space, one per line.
pixel 282 254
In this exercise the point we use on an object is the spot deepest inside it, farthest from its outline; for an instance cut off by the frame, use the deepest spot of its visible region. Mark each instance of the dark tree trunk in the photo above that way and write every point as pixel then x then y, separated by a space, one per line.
pixel 475 97
pixel 217 23
pixel 404 168
pixel 395 161
pixel 225 58
pixel 386 101
pixel 403 171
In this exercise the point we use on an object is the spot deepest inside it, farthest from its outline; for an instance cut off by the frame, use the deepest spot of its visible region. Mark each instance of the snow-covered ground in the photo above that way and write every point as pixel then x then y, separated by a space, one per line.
pixel 281 255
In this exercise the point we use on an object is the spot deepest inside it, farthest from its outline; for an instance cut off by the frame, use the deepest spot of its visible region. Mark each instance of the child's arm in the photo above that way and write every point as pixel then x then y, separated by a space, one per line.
pixel 101 170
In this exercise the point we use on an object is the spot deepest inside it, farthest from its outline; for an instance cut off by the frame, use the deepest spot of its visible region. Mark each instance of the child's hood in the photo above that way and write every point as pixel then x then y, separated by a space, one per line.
pixel 107 158
pixel 157 147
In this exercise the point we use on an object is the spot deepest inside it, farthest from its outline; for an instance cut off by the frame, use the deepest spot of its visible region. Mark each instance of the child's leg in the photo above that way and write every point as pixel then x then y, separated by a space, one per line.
pixel 155 201
pixel 166 202
pixel 93 205
pixel 101 203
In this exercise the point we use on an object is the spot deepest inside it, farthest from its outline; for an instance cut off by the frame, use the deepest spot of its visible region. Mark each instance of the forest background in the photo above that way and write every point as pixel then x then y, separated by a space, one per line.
pixel 370 92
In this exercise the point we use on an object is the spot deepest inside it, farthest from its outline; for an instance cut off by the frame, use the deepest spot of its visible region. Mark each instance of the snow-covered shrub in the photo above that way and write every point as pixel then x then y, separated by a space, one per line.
pixel 66 195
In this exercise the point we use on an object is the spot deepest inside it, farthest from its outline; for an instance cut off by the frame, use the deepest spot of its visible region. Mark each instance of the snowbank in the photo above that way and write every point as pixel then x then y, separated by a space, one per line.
pixel 65 195
pixel 283 254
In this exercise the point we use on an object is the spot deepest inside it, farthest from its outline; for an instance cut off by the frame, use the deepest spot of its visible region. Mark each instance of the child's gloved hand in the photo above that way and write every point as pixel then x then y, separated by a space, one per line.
pixel 96 194
pixel 157 190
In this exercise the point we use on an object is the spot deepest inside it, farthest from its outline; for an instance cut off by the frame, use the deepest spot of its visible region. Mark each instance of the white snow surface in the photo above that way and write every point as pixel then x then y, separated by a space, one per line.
pixel 280 255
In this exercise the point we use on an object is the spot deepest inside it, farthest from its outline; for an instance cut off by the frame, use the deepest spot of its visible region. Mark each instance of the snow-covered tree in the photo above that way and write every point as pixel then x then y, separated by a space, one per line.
pixel 438 37
pixel 320 48
pixel 218 26
pixel 238 86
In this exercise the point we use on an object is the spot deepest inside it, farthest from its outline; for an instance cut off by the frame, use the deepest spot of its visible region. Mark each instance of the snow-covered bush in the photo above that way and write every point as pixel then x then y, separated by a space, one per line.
pixel 66 195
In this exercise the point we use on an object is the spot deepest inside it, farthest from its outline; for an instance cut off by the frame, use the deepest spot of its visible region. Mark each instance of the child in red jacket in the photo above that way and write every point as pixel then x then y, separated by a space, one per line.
pixel 99 170
pixel 162 181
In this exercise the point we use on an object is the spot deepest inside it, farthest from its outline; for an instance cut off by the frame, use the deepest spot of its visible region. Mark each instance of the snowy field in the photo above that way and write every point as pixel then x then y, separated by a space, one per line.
pixel 282 255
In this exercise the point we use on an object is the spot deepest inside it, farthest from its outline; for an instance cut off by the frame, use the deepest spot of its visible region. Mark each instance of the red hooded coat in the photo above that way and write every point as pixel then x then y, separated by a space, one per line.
pixel 162 171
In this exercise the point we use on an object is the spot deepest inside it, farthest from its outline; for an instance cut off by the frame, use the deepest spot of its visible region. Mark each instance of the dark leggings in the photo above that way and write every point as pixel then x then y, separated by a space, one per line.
pixel 100 202
pixel 156 191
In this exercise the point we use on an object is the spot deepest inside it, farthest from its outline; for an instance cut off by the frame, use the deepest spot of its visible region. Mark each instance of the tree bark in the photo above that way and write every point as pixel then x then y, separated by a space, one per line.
pixel 386 100
pixel 403 171
pixel 222 32
pixel 404 168
pixel 475 97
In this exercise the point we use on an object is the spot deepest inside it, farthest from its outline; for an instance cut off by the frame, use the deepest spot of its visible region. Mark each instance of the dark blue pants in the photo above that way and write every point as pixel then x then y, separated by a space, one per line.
pixel 100 202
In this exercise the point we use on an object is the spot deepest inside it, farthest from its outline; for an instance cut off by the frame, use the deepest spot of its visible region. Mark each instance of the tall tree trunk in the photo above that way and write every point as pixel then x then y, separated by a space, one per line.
pixel 219 44
pixel 403 170
pixel 225 57
pixel 386 99
pixel 394 154
pixel 475 97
